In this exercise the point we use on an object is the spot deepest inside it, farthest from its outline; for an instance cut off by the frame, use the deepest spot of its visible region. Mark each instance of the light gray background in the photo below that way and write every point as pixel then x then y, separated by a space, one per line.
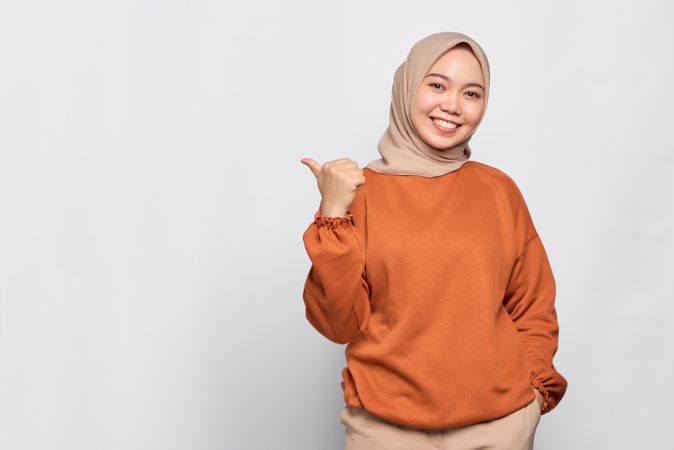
pixel 153 203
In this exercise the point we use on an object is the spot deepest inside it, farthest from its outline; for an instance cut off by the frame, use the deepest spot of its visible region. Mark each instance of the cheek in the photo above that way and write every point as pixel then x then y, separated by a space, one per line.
pixel 423 104
pixel 473 112
pixel 420 111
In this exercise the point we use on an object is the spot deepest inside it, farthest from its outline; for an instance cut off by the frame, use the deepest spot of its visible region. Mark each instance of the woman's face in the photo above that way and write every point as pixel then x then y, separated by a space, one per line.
pixel 452 91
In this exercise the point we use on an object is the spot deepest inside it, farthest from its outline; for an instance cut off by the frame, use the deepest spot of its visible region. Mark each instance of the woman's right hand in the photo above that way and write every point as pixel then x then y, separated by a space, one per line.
pixel 338 182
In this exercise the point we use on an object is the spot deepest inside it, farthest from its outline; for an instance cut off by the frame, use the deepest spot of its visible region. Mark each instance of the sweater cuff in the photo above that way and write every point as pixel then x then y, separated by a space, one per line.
pixel 547 399
pixel 333 222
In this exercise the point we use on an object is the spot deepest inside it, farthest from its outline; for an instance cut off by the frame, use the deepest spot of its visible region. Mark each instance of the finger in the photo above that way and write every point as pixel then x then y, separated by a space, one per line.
pixel 344 162
pixel 356 173
pixel 356 177
pixel 313 166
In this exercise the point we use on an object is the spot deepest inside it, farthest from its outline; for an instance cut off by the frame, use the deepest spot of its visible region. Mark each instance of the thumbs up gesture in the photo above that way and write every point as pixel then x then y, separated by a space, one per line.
pixel 338 182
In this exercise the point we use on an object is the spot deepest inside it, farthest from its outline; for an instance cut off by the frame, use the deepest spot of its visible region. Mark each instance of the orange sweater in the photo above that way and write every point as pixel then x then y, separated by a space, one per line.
pixel 443 291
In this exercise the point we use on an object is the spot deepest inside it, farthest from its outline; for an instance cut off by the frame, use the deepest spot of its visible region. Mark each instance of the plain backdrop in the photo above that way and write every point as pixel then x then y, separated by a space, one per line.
pixel 152 206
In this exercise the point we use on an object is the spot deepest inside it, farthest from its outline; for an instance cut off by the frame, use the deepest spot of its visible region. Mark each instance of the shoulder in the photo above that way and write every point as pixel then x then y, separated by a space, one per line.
pixel 497 178
pixel 511 195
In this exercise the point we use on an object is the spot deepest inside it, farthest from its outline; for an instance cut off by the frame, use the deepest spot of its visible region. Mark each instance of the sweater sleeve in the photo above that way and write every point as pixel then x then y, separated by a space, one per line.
pixel 530 302
pixel 336 293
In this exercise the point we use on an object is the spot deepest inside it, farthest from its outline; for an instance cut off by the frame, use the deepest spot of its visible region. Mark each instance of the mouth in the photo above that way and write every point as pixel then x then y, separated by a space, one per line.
pixel 445 126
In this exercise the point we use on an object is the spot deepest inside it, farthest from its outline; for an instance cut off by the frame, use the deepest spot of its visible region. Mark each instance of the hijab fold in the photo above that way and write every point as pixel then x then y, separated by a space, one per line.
pixel 402 150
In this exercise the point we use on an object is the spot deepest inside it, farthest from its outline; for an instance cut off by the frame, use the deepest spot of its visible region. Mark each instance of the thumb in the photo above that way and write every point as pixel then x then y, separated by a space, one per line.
pixel 313 165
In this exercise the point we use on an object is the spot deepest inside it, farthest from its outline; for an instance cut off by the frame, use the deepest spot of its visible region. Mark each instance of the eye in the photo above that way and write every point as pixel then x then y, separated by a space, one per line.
pixel 435 84
pixel 475 94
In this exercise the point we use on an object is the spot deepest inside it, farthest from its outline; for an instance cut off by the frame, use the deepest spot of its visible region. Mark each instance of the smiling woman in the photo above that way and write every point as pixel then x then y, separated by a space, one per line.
pixel 429 267
pixel 449 103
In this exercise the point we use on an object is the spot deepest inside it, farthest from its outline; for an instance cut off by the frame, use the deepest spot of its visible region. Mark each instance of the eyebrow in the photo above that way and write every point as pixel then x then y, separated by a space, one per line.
pixel 448 79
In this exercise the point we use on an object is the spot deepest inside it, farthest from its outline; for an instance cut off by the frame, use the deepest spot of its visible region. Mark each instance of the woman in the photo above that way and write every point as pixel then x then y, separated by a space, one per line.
pixel 429 267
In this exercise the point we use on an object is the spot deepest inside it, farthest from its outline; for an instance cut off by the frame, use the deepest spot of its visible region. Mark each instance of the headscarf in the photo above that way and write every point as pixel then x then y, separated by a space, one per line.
pixel 402 150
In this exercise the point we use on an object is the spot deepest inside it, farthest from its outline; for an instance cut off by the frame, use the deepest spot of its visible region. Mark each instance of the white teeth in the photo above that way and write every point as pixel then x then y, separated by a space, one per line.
pixel 445 124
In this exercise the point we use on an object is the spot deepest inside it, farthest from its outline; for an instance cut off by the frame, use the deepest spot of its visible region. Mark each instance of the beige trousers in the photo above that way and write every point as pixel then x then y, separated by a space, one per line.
pixel 365 431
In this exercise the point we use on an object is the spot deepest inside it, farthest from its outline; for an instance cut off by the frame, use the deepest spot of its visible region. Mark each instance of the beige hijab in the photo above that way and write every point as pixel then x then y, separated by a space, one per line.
pixel 402 150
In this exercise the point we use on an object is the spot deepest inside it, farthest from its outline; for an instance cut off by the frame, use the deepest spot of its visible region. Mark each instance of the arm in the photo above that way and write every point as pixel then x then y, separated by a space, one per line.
pixel 336 293
pixel 530 302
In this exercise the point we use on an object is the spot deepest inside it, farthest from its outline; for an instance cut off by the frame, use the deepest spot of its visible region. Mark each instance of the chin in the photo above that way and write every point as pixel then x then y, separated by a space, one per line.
pixel 444 144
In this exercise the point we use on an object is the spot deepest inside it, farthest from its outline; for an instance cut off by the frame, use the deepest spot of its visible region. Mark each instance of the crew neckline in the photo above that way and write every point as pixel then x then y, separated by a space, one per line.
pixel 448 174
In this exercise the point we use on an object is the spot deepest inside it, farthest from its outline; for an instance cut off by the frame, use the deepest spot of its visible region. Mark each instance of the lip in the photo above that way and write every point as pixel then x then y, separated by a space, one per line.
pixel 444 130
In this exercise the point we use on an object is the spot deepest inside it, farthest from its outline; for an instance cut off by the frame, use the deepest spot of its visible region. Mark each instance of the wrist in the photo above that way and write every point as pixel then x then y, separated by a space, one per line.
pixel 333 211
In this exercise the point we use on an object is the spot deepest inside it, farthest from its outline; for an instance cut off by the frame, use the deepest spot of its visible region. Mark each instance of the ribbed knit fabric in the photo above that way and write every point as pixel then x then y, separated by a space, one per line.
pixel 443 291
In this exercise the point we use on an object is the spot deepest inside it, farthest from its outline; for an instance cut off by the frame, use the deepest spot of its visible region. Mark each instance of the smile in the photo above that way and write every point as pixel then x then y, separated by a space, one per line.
pixel 445 126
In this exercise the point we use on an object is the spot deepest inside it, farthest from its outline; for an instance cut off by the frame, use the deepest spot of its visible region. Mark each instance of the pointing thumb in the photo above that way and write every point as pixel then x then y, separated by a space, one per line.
pixel 313 165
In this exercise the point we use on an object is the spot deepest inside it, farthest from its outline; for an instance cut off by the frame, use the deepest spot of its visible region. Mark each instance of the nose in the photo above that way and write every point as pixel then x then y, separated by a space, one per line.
pixel 451 104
